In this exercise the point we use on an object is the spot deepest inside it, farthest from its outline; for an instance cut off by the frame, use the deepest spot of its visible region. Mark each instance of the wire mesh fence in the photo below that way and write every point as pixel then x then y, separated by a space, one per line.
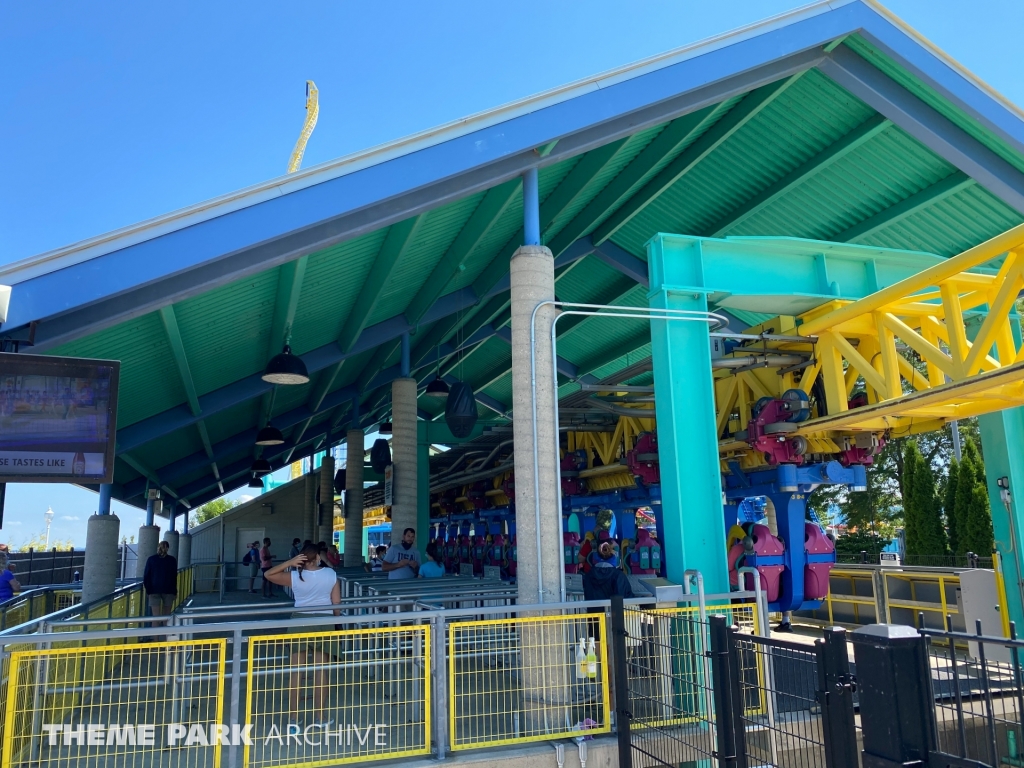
pixel 979 698
pixel 522 679
pixel 123 705
pixel 330 697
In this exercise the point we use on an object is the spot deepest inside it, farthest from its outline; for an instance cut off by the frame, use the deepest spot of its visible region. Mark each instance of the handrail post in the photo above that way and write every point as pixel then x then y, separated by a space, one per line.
pixel 439 669
pixel 236 692
pixel 620 672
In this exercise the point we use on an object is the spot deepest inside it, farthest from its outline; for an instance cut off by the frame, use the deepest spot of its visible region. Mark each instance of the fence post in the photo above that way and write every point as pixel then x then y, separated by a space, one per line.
pixel 725 686
pixel 439 669
pixel 620 681
pixel 835 695
pixel 896 706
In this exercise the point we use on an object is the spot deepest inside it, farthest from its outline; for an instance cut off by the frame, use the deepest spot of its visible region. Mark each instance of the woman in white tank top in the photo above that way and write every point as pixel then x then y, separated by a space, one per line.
pixel 312 584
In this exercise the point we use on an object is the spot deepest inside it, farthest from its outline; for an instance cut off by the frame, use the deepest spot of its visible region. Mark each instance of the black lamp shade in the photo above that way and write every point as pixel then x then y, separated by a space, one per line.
pixel 286 368
pixel 261 467
pixel 269 435
pixel 255 482
pixel 384 428
pixel 437 388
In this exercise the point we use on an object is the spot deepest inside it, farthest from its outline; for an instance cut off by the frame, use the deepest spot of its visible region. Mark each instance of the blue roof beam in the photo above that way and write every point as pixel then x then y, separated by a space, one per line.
pixel 926 124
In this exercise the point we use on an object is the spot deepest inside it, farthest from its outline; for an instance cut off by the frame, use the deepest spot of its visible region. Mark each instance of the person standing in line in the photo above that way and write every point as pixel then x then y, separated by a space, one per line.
pixel 402 560
pixel 266 563
pixel 434 567
pixel 253 557
pixel 160 579
pixel 293 553
pixel 8 583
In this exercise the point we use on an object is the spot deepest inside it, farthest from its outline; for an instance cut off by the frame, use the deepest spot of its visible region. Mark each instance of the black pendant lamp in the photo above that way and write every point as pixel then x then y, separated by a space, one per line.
pixel 437 388
pixel 286 368
pixel 261 467
pixel 384 428
pixel 255 482
pixel 270 435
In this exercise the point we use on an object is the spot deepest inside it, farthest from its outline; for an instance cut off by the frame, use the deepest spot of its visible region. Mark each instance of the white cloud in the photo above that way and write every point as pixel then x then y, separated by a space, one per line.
pixel 70 517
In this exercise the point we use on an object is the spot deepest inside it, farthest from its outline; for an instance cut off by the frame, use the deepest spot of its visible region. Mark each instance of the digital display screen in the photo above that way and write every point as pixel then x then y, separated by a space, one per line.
pixel 58 419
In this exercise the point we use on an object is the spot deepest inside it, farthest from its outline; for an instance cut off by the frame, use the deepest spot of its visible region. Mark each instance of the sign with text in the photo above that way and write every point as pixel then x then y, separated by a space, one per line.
pixel 57 418
pixel 389 485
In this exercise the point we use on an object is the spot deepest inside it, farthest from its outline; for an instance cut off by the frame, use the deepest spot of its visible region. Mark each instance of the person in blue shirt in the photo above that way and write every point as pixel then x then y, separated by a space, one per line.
pixel 434 567
pixel 8 584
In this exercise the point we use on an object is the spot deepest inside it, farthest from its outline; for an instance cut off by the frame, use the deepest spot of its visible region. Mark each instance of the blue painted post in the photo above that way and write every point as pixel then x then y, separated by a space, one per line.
pixel 171 512
pixel 691 483
pixel 150 511
pixel 406 367
pixel 106 490
pixel 531 207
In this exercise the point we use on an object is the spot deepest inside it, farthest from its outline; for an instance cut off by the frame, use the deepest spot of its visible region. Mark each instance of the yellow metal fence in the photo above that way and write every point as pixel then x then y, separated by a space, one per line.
pixel 115 705
pixel 516 680
pixel 325 698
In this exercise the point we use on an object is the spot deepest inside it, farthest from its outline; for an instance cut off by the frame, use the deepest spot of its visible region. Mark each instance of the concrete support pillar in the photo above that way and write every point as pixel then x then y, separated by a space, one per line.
pixel 354 554
pixel 691 480
pixel 149 537
pixel 539 552
pixel 403 457
pixel 101 563
pixel 171 537
pixel 185 550
pixel 325 529
pixel 309 508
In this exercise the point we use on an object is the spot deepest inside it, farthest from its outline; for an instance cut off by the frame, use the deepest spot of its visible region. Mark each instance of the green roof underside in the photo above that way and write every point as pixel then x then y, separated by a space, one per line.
pixel 884 190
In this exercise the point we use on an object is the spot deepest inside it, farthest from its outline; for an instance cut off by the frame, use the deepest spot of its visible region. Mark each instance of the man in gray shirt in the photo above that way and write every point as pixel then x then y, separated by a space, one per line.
pixel 402 560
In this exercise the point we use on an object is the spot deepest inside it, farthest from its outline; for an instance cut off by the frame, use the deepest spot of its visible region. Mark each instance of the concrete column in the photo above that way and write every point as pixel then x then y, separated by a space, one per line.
pixel 354 554
pixel 101 563
pixel 149 537
pixel 403 456
pixel 309 508
pixel 325 530
pixel 185 550
pixel 171 537
pixel 539 551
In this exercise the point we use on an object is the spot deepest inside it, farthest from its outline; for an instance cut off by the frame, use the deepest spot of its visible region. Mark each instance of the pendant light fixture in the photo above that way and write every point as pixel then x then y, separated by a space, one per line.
pixel 261 467
pixel 255 482
pixel 385 428
pixel 286 368
pixel 270 435
pixel 438 387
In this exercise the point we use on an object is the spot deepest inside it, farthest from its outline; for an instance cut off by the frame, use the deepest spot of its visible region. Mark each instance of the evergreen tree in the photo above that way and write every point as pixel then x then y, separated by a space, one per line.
pixel 970 451
pixel 965 482
pixel 980 538
pixel 949 504
pixel 925 535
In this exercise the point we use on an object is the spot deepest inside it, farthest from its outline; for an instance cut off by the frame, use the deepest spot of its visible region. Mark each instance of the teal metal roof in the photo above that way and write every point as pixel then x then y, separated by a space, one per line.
pixel 792 154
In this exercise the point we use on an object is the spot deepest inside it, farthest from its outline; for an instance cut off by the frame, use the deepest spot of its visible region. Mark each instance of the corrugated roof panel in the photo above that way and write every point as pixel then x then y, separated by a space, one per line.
pixel 334 277
pixel 169 448
pixel 634 146
pixel 225 332
pixel 437 232
pixel 149 375
pixel 878 59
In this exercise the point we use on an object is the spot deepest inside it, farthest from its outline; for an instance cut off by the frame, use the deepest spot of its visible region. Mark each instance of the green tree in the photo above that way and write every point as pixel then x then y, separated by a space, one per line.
pixel 966 480
pixel 922 514
pixel 210 510
pixel 979 538
pixel 37 541
pixel 949 505
pixel 970 451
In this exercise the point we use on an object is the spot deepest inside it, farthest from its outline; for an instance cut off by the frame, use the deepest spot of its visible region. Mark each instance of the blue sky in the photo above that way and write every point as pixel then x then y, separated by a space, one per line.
pixel 117 112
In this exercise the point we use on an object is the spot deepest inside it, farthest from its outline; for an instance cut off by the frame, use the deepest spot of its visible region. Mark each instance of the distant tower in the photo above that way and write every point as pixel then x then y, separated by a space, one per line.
pixel 48 516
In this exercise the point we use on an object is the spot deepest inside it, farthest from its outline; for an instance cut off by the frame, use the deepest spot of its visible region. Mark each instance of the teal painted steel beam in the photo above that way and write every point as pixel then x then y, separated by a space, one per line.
pixel 170 322
pixel 676 135
pixel 940 190
pixel 691 479
pixel 747 109
pixel 836 151
pixel 147 473
pixel 487 214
